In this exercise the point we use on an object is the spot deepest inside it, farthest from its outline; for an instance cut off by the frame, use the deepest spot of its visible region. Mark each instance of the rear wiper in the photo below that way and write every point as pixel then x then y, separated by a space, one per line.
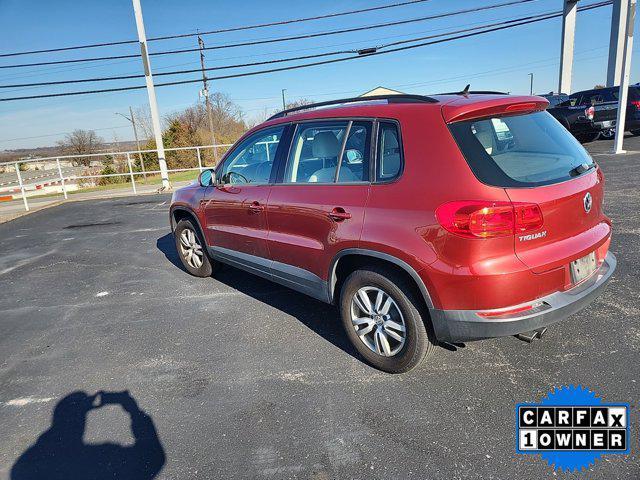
pixel 580 169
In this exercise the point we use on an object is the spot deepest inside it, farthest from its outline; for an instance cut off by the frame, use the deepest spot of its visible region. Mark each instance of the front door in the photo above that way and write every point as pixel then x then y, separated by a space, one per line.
pixel 235 209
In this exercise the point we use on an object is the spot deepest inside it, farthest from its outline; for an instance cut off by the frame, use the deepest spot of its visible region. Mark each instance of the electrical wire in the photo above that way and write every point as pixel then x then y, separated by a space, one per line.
pixel 273 61
pixel 211 32
pixel 279 39
pixel 522 21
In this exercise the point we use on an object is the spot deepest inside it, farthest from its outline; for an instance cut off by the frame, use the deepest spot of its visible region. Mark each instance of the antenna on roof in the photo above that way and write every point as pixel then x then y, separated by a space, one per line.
pixel 465 92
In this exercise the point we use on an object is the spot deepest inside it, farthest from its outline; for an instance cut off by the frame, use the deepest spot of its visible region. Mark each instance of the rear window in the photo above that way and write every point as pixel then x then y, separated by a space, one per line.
pixel 520 150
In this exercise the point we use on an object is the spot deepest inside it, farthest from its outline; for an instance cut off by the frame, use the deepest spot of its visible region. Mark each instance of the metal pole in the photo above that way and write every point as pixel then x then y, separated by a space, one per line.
pixel 64 187
pixel 199 158
pixel 566 51
pixel 284 104
pixel 616 42
pixel 135 134
pixel 153 103
pixel 205 92
pixel 133 181
pixel 531 85
pixel 624 84
pixel 24 198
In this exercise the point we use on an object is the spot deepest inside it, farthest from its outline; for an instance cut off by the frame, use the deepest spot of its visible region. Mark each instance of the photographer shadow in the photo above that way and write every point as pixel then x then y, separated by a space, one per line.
pixel 61 453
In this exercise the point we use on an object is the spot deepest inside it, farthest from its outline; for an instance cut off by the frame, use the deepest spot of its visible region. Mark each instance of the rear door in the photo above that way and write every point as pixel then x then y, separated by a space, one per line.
pixel 317 206
pixel 539 162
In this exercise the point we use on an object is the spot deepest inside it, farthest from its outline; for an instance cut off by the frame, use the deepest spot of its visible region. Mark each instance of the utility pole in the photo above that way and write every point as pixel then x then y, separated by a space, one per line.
pixel 132 119
pixel 153 103
pixel 284 104
pixel 617 41
pixel 531 84
pixel 626 71
pixel 566 50
pixel 205 93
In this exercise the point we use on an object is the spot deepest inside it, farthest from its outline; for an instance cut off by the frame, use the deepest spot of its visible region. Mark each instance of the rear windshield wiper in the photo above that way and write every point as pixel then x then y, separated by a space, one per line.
pixel 580 169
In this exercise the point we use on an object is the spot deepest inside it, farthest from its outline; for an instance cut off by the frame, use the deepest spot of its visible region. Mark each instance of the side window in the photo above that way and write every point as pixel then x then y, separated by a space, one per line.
pixel 389 161
pixel 252 160
pixel 319 152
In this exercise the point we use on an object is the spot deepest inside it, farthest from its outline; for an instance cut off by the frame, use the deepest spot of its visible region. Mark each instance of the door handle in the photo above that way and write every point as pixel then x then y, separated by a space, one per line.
pixel 256 207
pixel 338 214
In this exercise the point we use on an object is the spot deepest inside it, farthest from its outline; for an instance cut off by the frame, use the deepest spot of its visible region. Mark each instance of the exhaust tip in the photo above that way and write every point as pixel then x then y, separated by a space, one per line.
pixel 529 337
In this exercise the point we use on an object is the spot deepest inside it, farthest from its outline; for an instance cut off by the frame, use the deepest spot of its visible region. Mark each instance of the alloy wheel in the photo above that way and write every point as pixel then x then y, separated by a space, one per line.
pixel 190 248
pixel 378 321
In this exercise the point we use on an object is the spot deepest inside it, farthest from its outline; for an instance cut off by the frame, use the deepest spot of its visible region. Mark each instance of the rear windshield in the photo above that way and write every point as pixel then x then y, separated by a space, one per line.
pixel 520 150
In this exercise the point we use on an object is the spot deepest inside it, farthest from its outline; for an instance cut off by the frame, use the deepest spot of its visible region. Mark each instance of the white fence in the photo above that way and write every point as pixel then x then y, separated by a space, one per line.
pixel 63 179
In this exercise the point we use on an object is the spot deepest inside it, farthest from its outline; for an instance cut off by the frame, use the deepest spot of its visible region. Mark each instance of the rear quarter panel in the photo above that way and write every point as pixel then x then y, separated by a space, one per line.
pixel 400 218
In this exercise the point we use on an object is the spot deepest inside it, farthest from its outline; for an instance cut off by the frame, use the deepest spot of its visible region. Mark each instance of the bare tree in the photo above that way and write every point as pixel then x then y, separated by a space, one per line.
pixel 143 121
pixel 81 142
pixel 301 102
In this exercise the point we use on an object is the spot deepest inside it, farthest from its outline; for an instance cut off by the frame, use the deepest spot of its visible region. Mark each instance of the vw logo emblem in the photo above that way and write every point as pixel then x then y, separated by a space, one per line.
pixel 587 201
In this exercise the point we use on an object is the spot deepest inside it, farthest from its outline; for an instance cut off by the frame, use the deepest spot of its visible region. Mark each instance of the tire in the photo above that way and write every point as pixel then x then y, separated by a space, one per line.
pixel 188 238
pixel 587 137
pixel 635 133
pixel 398 356
pixel 608 134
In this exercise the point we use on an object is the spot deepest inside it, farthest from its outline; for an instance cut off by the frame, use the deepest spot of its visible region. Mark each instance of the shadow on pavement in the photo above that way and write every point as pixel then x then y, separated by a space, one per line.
pixel 167 245
pixel 60 452
pixel 319 317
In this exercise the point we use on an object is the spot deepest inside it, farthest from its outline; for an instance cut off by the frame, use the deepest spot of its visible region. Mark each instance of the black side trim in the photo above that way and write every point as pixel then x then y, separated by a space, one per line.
pixel 292 277
pixel 383 256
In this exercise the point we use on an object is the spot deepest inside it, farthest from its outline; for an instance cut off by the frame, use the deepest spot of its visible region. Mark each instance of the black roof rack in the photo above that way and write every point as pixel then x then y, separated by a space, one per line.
pixel 400 98
pixel 466 92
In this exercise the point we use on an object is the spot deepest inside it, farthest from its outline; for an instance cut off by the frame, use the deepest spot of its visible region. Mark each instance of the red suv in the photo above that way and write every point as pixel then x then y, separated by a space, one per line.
pixel 425 220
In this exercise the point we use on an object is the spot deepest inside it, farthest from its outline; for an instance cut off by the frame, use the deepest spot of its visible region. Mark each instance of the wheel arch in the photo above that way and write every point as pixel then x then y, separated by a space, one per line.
pixel 180 212
pixel 377 257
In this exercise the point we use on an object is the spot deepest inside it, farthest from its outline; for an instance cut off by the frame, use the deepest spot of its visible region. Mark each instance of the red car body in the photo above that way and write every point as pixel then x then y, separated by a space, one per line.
pixel 302 235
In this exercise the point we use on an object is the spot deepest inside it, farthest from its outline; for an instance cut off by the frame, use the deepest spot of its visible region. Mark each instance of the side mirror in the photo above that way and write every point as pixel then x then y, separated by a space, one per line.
pixel 207 177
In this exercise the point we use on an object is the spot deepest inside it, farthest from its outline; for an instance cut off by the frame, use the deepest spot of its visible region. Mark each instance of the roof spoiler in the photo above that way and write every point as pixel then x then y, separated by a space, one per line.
pixel 458 111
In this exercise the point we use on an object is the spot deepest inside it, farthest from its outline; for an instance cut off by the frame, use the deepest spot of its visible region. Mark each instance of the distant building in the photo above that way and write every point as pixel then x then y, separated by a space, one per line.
pixel 381 91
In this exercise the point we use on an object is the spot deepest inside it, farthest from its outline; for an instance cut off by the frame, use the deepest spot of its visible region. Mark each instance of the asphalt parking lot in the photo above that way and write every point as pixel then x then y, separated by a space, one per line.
pixel 236 377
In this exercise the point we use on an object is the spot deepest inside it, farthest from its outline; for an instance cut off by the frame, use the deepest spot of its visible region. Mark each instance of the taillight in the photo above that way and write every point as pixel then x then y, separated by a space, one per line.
pixel 589 112
pixel 636 103
pixel 478 219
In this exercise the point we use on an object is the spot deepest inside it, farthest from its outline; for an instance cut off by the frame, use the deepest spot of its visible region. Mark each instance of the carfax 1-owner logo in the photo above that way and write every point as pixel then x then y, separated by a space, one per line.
pixel 571 428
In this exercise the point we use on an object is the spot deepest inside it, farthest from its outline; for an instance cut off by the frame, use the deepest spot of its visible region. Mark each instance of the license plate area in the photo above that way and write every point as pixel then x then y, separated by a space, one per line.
pixel 583 268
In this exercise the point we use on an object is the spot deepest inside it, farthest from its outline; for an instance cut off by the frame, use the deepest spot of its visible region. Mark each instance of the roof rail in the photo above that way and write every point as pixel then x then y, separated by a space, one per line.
pixel 475 92
pixel 398 98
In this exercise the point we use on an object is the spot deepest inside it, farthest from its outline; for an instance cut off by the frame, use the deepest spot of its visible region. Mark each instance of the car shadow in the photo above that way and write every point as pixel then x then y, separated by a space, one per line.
pixel 167 246
pixel 320 317
pixel 61 453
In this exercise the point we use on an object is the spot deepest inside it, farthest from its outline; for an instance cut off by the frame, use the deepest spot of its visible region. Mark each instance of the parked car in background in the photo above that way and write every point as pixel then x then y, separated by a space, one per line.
pixel 600 107
pixel 425 220
pixel 555 99
pixel 577 118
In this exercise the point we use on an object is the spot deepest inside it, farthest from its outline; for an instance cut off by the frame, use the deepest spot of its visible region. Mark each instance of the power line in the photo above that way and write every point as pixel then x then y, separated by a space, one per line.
pixel 273 61
pixel 211 32
pixel 280 39
pixel 60 133
pixel 177 72
pixel 47 71
pixel 511 24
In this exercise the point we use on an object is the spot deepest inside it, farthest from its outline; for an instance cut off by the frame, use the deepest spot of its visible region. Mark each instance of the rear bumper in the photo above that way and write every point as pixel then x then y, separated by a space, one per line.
pixel 466 325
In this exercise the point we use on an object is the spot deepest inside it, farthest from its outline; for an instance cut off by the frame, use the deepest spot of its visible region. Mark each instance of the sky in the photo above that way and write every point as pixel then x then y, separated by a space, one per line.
pixel 496 61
